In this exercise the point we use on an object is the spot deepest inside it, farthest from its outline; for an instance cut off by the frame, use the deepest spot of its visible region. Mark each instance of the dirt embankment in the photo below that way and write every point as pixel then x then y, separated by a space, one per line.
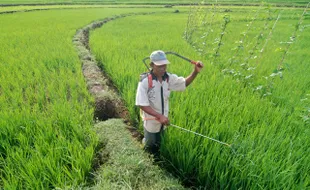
pixel 108 103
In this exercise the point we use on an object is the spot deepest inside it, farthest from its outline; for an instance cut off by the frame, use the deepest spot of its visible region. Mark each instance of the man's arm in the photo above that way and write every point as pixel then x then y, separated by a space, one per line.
pixel 193 75
pixel 161 118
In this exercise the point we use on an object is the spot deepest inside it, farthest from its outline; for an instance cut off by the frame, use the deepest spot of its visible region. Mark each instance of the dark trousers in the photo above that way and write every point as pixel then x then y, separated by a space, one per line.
pixel 152 142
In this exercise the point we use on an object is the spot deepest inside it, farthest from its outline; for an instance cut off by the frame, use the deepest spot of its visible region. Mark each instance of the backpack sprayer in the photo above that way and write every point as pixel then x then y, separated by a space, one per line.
pixel 178 127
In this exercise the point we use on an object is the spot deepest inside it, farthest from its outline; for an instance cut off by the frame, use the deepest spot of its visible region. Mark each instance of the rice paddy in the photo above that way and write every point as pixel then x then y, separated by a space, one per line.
pixel 253 93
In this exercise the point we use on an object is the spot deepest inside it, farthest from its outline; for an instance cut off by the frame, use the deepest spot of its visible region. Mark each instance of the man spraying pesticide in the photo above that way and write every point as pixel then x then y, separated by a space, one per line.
pixel 153 97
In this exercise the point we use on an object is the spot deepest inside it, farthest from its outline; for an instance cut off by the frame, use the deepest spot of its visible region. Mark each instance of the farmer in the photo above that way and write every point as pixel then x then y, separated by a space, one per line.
pixel 153 98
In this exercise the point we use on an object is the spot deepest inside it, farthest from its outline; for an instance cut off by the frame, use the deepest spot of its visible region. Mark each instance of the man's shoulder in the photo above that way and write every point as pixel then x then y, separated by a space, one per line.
pixel 172 75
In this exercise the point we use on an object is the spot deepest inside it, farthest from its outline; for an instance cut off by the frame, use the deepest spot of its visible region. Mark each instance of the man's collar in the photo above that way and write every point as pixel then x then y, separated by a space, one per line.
pixel 165 77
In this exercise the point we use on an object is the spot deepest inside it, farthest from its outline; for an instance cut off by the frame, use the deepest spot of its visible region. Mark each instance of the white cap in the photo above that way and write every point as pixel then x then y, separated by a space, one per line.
pixel 159 58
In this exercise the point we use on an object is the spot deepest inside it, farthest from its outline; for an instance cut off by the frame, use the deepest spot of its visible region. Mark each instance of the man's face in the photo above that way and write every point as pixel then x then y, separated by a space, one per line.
pixel 159 70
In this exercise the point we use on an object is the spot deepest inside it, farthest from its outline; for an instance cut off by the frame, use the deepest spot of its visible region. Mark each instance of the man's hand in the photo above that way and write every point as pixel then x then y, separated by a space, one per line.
pixel 159 117
pixel 163 120
pixel 198 66
pixel 192 76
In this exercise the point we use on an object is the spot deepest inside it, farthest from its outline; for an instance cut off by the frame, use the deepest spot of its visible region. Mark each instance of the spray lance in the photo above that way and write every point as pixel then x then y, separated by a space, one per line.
pixel 178 127
pixel 170 52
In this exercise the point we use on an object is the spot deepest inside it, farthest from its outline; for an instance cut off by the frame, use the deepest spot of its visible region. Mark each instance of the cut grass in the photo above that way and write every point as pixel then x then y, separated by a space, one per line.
pixel 128 167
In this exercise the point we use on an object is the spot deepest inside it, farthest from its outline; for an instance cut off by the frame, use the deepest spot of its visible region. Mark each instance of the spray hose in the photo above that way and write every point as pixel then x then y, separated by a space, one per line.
pixel 187 130
pixel 200 135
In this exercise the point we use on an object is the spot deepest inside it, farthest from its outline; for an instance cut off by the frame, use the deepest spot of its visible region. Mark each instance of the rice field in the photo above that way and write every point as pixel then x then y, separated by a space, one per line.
pixel 46 112
pixel 267 126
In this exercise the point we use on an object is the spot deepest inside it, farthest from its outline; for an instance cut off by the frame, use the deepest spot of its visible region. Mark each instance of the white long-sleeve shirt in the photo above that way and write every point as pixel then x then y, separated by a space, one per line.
pixel 153 97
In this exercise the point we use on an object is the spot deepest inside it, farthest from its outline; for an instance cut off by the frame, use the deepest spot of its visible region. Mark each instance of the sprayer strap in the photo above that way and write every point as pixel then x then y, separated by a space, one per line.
pixel 150 80
pixel 146 118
